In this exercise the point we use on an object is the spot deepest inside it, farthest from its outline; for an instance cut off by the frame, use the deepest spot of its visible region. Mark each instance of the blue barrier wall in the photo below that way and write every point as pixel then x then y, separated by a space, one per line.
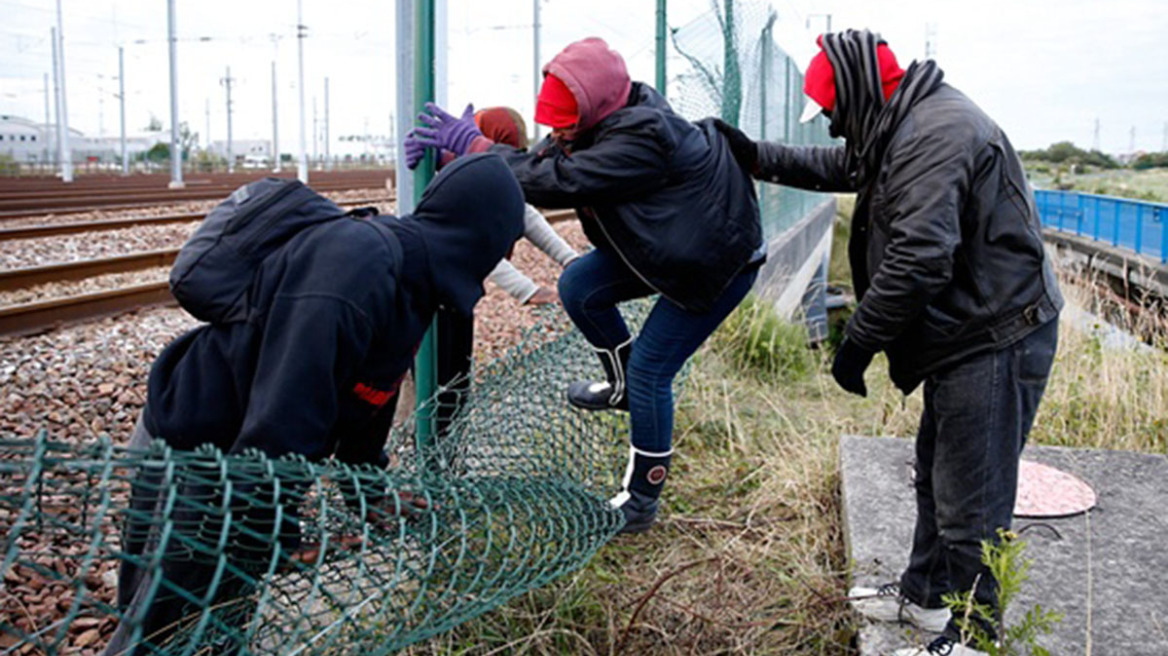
pixel 1133 225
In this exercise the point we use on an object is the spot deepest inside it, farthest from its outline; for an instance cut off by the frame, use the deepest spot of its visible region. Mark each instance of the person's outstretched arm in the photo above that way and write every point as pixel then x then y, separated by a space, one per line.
pixel 541 233
pixel 815 168
pixel 513 281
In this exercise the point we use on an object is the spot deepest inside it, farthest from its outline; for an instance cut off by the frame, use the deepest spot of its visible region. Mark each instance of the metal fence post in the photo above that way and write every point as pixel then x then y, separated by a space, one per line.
pixel 1139 226
pixel 1095 232
pixel 425 366
pixel 1115 228
pixel 1079 214
pixel 660 55
pixel 1163 236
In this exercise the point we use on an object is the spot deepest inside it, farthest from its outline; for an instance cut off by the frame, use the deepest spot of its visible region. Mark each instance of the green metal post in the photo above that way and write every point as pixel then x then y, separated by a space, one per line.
pixel 764 76
pixel 732 77
pixel 425 364
pixel 661 47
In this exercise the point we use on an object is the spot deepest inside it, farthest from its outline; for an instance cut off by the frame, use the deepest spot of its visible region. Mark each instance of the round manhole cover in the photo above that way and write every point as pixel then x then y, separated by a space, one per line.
pixel 1044 491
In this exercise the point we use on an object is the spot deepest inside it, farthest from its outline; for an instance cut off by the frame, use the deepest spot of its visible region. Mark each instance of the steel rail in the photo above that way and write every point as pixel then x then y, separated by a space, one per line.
pixel 39 316
pixel 54 229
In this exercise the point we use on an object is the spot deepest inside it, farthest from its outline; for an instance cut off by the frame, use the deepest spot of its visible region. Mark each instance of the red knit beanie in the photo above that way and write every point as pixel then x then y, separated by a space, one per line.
pixel 819 80
pixel 556 106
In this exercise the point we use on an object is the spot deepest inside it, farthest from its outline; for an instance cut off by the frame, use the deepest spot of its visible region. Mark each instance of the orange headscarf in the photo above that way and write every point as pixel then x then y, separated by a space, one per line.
pixel 502 125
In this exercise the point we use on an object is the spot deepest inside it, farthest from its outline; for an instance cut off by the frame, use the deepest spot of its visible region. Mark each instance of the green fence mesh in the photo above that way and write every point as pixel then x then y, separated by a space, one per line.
pixel 736 70
pixel 323 558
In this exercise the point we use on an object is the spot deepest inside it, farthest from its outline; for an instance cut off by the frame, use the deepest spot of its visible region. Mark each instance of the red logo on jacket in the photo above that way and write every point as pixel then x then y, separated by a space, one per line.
pixel 373 396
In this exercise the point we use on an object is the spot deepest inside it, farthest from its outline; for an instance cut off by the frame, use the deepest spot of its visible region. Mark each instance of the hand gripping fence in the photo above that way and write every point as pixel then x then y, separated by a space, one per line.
pixel 254 555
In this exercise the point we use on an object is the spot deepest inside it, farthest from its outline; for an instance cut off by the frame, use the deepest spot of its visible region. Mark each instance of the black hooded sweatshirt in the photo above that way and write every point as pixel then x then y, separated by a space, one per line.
pixel 333 325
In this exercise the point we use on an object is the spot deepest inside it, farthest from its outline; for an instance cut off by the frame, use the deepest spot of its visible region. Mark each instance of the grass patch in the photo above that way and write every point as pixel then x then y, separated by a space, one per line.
pixel 755 340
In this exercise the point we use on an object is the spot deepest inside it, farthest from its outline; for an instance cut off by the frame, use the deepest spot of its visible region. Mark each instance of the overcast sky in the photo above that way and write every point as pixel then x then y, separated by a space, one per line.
pixel 1046 70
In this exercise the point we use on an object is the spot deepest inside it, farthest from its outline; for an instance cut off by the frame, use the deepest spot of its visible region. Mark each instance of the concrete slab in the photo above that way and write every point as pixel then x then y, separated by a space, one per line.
pixel 1105 570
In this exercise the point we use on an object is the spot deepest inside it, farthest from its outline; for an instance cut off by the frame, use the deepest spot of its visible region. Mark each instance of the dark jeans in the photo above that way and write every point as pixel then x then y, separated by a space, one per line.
pixel 976 419
pixel 590 289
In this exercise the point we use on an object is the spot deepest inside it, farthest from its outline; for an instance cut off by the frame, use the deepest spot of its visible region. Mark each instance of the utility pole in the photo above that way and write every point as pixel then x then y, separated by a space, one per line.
pixel 1095 141
pixel 315 135
pixel 226 82
pixel 207 115
pixel 301 33
pixel 122 108
pixel 327 161
pixel 101 105
pixel 57 102
pixel 46 136
pixel 537 73
pixel 1164 144
pixel 404 65
pixel 1132 146
pixel 275 124
pixel 176 174
pixel 63 116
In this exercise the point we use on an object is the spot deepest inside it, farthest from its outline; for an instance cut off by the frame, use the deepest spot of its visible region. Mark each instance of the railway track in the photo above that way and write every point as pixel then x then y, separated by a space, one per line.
pixel 39 316
pixel 20 209
pixel 54 229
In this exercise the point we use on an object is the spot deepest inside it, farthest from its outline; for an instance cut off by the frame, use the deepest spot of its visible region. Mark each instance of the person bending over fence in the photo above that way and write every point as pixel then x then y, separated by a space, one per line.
pixel 315 316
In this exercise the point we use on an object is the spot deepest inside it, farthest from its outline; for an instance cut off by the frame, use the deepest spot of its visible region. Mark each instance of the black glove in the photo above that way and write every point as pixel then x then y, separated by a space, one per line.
pixel 744 148
pixel 849 365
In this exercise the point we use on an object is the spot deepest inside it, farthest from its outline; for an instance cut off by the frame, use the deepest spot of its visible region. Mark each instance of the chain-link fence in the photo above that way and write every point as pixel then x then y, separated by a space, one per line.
pixel 286 556
pixel 737 71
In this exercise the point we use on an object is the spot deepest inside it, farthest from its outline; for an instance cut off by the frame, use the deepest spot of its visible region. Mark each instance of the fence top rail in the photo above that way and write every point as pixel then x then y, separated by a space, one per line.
pixel 1116 199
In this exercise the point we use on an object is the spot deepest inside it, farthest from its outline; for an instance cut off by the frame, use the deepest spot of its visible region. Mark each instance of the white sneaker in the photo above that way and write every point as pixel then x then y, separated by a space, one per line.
pixel 940 647
pixel 887 604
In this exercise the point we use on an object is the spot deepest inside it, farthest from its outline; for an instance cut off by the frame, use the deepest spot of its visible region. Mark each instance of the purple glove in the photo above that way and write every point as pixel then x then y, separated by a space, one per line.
pixel 415 150
pixel 445 131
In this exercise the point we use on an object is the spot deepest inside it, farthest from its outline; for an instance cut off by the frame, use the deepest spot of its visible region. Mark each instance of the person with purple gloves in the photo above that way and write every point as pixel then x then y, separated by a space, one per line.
pixel 670 213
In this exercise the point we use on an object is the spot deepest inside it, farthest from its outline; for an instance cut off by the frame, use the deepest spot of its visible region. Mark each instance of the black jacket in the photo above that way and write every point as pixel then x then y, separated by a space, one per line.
pixel 335 316
pixel 946 247
pixel 663 193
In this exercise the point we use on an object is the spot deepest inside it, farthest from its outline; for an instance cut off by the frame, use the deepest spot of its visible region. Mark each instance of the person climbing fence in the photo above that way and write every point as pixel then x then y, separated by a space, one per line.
pixel 670 213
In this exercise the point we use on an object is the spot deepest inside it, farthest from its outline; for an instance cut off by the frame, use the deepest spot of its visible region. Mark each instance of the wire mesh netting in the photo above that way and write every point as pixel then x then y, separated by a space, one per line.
pixel 287 556
pixel 736 70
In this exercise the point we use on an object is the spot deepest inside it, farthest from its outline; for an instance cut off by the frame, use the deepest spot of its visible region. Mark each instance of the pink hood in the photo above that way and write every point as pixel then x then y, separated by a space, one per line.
pixel 596 76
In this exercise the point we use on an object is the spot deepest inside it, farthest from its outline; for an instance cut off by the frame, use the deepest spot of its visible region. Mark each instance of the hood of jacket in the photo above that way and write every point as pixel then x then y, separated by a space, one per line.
pixel 596 75
pixel 468 218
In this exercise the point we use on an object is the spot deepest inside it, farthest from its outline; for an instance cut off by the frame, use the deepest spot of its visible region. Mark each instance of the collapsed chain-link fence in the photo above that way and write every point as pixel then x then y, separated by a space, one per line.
pixel 285 556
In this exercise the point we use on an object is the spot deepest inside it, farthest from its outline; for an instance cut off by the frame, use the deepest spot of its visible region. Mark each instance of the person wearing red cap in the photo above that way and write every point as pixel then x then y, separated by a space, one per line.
pixel 954 287
pixel 670 213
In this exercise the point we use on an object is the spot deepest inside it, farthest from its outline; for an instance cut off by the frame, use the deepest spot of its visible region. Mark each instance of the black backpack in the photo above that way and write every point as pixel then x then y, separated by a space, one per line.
pixel 215 268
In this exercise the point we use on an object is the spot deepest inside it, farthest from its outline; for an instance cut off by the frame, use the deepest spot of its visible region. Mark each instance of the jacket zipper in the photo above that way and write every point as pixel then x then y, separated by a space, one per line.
pixel 279 195
pixel 629 264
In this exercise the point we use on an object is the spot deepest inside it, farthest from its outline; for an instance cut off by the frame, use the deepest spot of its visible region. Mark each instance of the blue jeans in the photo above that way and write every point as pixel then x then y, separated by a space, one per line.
pixel 590 289
pixel 977 416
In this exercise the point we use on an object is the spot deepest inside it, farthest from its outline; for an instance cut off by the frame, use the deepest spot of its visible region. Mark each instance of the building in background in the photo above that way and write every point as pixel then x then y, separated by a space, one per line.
pixel 30 142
